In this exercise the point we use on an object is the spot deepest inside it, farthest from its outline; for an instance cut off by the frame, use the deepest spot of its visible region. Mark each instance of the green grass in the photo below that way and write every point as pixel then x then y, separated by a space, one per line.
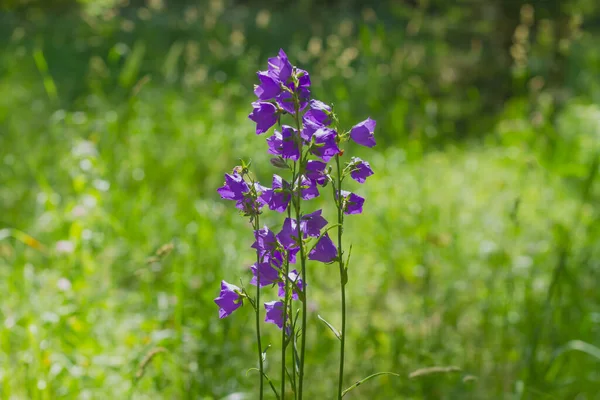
pixel 481 254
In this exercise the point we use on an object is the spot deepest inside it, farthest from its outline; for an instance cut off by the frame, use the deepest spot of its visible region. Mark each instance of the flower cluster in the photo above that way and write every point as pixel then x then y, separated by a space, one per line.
pixel 305 146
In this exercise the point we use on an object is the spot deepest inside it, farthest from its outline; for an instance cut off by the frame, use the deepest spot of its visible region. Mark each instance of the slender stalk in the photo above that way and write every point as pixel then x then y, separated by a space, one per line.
pixel 285 310
pixel 343 276
pixel 302 260
pixel 257 309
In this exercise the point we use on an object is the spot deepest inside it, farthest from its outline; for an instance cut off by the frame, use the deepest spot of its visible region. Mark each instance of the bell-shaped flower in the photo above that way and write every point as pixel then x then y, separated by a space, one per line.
pixel 362 133
pixel 229 299
pixel 325 144
pixel 266 272
pixel 274 313
pixel 325 251
pixel 353 203
pixel 361 170
pixel 265 115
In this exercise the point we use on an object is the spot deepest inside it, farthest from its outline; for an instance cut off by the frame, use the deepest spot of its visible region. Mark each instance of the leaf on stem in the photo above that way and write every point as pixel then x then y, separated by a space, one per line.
pixel 358 383
pixel 335 331
pixel 268 380
pixel 264 353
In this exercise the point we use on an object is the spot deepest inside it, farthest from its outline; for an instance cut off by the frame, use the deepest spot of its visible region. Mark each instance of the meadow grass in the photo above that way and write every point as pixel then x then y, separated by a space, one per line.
pixel 478 257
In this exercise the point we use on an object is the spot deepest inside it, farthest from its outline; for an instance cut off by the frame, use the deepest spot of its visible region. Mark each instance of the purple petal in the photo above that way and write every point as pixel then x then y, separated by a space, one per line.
pixel 361 170
pixel 234 188
pixel 288 236
pixel 295 278
pixel 353 203
pixel 311 224
pixel 264 114
pixel 319 113
pixel 268 274
pixel 229 299
pixel 268 89
pixel 325 251
pixel 362 133
pixel 315 171
pixel 274 313
pixel 279 200
pixel 290 146
pixel 326 145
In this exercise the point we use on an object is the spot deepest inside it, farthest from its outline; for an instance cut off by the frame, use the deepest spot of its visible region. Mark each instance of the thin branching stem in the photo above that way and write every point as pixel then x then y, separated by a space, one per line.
pixel 302 258
pixel 257 311
pixel 343 272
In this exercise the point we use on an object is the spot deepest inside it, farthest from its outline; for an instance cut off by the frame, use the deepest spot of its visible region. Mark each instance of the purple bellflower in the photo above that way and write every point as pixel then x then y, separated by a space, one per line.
pixel 311 224
pixel 319 113
pixel 269 87
pixel 265 115
pixel 274 313
pixel 280 68
pixel 234 188
pixel 268 274
pixel 325 144
pixel 361 170
pixel 362 133
pixel 315 171
pixel 353 203
pixel 308 188
pixel 280 196
pixel 293 277
pixel 325 251
pixel 229 299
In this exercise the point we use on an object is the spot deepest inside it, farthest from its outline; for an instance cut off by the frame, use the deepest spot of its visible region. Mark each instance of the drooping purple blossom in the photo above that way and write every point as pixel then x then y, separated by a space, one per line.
pixel 309 129
pixel 280 195
pixel 288 236
pixel 294 278
pixel 263 194
pixel 361 170
pixel 290 146
pixel 325 144
pixel 269 87
pixel 269 248
pixel 275 143
pixel 285 99
pixel 264 114
pixel 229 299
pixel 353 203
pixel 325 251
pixel 274 313
pixel 284 143
pixel 265 242
pixel 303 78
pixel 362 133
pixel 308 188
pixel 280 67
pixel 315 171
pixel 234 188
pixel 268 274
pixel 319 113
pixel 311 224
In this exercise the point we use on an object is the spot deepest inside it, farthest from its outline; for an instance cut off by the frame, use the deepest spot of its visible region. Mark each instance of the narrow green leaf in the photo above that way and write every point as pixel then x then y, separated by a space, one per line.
pixel 335 331
pixel 268 380
pixel 358 383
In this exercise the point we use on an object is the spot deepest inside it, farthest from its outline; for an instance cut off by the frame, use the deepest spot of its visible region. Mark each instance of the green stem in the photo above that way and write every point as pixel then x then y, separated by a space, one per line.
pixel 302 263
pixel 285 312
pixel 257 309
pixel 343 276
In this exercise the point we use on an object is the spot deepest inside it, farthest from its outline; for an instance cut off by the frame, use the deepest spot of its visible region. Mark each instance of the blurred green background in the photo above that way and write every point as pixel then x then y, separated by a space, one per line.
pixel 479 245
